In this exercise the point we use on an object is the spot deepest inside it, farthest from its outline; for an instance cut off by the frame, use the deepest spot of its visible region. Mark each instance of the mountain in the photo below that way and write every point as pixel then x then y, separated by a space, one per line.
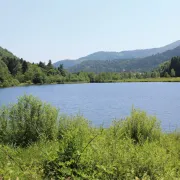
pixel 119 65
pixel 104 56
pixel 67 63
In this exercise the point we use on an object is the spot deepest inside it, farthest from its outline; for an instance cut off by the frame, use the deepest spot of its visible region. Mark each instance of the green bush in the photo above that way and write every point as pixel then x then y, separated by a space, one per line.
pixel 28 82
pixel 6 84
pixel 14 82
pixel 74 133
pixel 141 127
pixel 10 82
pixel 27 121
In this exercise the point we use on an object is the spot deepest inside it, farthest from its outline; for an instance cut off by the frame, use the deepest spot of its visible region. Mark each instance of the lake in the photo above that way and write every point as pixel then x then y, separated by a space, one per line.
pixel 101 103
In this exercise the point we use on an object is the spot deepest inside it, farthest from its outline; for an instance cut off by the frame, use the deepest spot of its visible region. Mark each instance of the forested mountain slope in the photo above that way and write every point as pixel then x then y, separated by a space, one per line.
pixel 119 65
pixel 131 54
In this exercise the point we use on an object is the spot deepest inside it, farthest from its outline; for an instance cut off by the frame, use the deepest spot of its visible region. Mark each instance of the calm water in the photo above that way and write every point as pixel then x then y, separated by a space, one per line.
pixel 101 103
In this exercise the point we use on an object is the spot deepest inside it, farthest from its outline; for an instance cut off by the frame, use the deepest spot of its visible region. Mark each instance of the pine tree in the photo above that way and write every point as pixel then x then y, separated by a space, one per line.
pixel 24 66
pixel 61 70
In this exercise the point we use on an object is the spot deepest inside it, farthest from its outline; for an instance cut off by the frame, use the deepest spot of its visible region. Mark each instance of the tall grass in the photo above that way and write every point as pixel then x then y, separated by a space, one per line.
pixel 66 147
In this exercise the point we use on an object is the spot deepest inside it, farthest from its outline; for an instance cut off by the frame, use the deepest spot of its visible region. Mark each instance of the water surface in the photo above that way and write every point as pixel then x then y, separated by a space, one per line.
pixel 101 103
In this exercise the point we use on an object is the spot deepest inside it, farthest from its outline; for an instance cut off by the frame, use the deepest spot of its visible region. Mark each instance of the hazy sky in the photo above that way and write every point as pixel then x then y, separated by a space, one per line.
pixel 39 30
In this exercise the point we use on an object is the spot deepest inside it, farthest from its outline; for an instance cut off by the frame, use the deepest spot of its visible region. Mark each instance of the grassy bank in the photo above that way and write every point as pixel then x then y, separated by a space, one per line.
pixel 170 79
pixel 36 142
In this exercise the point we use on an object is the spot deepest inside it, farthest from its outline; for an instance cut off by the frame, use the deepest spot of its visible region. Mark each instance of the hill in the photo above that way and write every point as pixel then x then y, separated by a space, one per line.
pixel 6 78
pixel 119 65
pixel 67 63
pixel 104 56
pixel 5 53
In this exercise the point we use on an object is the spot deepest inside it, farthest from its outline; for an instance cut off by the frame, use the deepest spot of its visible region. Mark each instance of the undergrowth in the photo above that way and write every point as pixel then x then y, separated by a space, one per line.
pixel 36 142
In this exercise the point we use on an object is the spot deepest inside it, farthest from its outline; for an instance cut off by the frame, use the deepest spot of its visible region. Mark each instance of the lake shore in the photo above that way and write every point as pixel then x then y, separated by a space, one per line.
pixel 169 79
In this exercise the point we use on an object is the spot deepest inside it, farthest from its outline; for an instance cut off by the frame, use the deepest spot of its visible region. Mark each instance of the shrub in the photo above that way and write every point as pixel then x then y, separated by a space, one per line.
pixel 140 127
pixel 28 82
pixel 14 82
pixel 27 121
pixel 5 84
pixel 75 134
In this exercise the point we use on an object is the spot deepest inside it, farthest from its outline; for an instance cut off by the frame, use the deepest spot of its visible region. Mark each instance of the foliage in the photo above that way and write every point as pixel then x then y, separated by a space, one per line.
pixel 6 53
pixel 139 127
pixel 13 65
pixel 61 70
pixel 5 77
pixel 173 73
pixel 27 121
pixel 175 65
pixel 170 68
pixel 132 148
pixel 24 66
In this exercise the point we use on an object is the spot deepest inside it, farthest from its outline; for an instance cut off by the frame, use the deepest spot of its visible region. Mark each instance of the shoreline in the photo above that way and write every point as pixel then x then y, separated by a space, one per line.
pixel 177 79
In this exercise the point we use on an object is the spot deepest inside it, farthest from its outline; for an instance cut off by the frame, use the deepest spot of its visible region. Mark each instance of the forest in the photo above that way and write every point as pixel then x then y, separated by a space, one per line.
pixel 38 142
pixel 15 71
pixel 144 64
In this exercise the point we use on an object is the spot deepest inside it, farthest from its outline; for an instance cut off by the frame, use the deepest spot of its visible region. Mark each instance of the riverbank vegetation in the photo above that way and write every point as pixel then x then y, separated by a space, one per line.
pixel 38 142
pixel 15 71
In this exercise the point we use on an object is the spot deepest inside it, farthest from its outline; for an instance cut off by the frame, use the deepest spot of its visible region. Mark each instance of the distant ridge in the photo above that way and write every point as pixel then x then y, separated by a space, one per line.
pixel 132 54
pixel 119 65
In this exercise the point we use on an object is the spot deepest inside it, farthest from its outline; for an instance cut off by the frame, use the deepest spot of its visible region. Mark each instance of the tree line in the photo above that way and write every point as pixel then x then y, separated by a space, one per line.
pixel 14 71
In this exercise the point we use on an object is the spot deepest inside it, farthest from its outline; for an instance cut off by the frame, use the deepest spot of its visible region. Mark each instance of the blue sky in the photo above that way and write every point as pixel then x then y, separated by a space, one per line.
pixel 39 30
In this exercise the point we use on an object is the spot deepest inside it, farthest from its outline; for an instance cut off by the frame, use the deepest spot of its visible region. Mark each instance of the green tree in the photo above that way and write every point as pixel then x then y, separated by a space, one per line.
pixel 20 77
pixel 175 64
pixel 61 70
pixel 24 66
pixel 13 65
pixel 42 65
pixel 166 74
pixel 91 77
pixel 52 72
pixel 4 73
pixel 49 65
pixel 173 73
pixel 35 75
pixel 129 75
pixel 154 74
pixel 38 77
pixel 138 75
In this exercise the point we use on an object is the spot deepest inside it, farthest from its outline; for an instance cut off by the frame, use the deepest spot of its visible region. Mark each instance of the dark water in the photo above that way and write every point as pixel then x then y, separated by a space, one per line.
pixel 101 103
